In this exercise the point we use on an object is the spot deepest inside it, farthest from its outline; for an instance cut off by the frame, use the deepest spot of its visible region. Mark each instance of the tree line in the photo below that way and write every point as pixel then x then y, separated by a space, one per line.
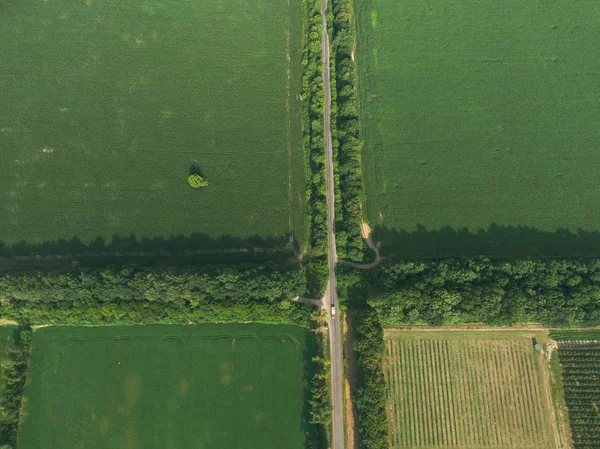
pixel 313 101
pixel 553 292
pixel 14 372
pixel 346 134
pixel 130 295
pixel 370 392
pixel 320 393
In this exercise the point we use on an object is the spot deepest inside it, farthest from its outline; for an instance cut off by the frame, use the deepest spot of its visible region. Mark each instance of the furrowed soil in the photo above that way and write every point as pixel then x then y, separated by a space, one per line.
pixel 480 121
pixel 179 387
pixel 107 106
pixel 475 390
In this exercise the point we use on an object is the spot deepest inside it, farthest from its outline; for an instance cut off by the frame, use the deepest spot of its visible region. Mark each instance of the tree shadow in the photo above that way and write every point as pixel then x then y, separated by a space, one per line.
pixel 173 250
pixel 495 241
pixel 195 169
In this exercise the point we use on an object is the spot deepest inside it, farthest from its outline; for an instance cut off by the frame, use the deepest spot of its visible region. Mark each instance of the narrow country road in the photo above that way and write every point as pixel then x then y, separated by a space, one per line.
pixel 335 334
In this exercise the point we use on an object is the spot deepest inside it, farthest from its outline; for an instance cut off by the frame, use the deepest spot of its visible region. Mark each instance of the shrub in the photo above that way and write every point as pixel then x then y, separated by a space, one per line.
pixel 195 180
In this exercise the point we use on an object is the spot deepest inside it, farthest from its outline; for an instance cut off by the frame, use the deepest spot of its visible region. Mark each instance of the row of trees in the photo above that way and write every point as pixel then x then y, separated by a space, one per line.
pixel 347 141
pixel 320 393
pixel 370 394
pixel 129 295
pixel 553 292
pixel 14 371
pixel 314 145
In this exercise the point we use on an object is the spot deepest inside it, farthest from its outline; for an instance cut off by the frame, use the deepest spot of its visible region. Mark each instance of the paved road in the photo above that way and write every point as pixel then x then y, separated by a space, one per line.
pixel 335 334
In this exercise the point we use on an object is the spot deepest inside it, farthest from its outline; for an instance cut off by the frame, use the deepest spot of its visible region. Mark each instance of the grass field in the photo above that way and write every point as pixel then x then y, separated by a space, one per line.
pixel 580 363
pixel 468 390
pixel 478 113
pixel 167 387
pixel 106 105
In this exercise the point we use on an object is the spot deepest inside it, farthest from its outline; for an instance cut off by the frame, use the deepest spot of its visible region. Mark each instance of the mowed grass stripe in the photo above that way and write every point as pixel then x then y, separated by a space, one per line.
pixel 512 393
pixel 537 401
pixel 497 379
pixel 532 392
pixel 419 386
pixel 469 399
pixel 450 397
pixel 441 390
pixel 504 396
pixel 524 395
pixel 394 399
pixel 429 393
pixel 491 437
pixel 482 426
pixel 414 389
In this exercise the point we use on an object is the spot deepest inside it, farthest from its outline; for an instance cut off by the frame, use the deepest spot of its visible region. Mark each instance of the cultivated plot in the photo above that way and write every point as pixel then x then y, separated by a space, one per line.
pixel 108 105
pixel 480 113
pixel 473 390
pixel 179 387
pixel 579 356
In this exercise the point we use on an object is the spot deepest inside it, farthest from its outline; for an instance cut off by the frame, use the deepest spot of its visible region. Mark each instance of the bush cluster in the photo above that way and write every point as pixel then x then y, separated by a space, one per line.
pixel 347 141
pixel 195 180
pixel 553 292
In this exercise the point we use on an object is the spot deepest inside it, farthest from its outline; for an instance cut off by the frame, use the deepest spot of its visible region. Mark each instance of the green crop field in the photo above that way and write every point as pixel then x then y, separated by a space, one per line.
pixel 468 390
pixel 168 387
pixel 107 105
pixel 481 116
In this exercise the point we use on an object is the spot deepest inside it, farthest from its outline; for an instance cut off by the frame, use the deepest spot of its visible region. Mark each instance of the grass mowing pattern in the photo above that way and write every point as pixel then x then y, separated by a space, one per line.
pixel 480 112
pixel 462 391
pixel 107 104
pixel 214 386
pixel 580 363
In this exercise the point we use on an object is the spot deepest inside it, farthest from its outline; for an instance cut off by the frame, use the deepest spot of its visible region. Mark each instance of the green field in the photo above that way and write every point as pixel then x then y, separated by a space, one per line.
pixel 167 387
pixel 469 390
pixel 478 114
pixel 106 106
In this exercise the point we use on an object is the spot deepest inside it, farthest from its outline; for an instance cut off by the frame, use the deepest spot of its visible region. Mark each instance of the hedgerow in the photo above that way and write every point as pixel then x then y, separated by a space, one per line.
pixel 553 292
pixel 131 295
pixel 347 134
pixel 314 145
pixel 14 370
